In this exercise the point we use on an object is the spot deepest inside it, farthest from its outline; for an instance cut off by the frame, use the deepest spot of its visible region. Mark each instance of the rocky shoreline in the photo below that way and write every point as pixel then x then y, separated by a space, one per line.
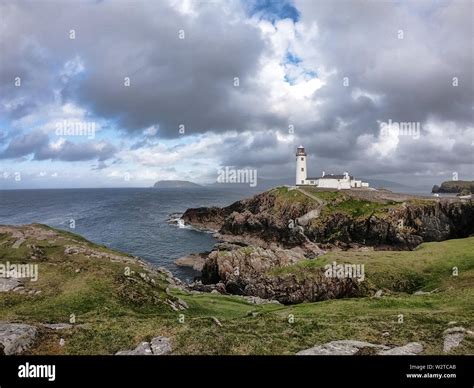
pixel 283 226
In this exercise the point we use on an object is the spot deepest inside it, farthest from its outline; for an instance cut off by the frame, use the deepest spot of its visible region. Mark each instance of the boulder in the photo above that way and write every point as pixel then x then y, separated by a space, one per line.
pixel 158 346
pixel 378 294
pixel 143 349
pixel 194 261
pixel 341 348
pixel 15 338
pixel 57 326
pixel 351 347
pixel 9 284
pixel 453 338
pixel 410 349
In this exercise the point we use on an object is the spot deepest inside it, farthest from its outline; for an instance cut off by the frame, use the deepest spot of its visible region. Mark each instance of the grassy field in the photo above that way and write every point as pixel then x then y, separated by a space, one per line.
pixel 285 198
pixel 115 312
pixel 343 202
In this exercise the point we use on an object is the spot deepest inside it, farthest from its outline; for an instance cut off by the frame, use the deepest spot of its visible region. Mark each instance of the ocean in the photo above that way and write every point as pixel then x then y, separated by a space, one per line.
pixel 132 220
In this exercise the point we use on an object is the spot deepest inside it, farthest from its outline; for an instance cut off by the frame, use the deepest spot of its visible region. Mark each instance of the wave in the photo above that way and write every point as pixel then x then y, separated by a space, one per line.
pixel 175 219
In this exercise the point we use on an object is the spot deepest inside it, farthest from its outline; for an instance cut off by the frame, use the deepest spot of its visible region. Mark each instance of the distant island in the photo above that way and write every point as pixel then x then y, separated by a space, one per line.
pixel 456 187
pixel 174 184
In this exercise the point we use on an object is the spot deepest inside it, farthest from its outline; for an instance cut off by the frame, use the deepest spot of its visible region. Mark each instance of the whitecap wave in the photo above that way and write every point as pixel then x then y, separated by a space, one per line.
pixel 175 219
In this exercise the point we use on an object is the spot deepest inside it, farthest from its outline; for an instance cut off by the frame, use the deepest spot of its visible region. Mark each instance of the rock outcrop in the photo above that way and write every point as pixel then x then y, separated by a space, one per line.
pixel 351 347
pixel 194 261
pixel 454 187
pixel 10 284
pixel 58 326
pixel 453 337
pixel 15 338
pixel 251 271
pixel 344 221
pixel 209 218
pixel 158 346
pixel 272 230
pixel 410 349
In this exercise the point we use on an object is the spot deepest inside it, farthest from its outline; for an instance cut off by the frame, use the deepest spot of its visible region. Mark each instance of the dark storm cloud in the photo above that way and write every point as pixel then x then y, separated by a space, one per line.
pixel 25 65
pixel 24 145
pixel 412 75
pixel 259 150
pixel 173 81
pixel 37 143
pixel 190 81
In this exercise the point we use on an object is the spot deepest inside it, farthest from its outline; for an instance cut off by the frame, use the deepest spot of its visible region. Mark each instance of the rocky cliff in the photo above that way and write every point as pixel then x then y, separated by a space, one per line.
pixel 255 271
pixel 346 219
pixel 454 187
pixel 275 230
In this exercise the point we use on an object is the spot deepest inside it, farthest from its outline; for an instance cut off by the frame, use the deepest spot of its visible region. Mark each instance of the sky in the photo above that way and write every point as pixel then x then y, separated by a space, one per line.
pixel 126 93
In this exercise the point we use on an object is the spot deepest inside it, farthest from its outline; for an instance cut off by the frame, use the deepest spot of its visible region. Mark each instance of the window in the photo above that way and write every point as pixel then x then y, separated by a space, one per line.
pixel 302 168
pixel 302 182
pixel 302 159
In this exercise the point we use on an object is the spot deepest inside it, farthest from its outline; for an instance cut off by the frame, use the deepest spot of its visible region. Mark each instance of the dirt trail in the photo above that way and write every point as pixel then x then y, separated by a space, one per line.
pixel 318 200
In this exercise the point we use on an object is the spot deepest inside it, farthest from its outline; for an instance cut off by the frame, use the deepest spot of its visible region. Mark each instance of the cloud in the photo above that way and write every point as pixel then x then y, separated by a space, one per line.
pixel 173 81
pixel 249 82
pixel 24 145
pixel 72 152
pixel 38 144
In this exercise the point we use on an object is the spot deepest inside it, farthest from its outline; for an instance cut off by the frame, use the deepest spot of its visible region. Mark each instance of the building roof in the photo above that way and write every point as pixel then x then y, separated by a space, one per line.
pixel 333 176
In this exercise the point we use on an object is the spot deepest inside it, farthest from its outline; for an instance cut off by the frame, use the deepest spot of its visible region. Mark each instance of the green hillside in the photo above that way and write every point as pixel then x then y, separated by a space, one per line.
pixel 115 311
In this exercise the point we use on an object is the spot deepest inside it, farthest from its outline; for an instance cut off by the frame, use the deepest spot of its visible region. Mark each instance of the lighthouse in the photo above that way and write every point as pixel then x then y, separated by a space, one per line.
pixel 326 181
pixel 301 171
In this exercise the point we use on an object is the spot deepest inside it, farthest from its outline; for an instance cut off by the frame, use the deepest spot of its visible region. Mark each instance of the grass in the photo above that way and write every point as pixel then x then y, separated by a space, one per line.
pixel 355 207
pixel 116 313
pixel 428 267
pixel 336 202
pixel 285 197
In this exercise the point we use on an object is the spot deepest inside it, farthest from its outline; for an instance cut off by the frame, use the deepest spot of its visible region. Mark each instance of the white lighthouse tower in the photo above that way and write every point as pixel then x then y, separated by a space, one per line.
pixel 301 171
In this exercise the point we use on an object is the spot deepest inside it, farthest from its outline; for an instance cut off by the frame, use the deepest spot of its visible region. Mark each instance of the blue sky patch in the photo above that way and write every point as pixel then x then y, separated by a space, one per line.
pixel 272 10
pixel 292 58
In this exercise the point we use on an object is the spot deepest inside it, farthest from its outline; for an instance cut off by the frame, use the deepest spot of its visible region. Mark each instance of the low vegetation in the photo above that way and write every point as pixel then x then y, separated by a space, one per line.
pixel 113 311
pixel 339 201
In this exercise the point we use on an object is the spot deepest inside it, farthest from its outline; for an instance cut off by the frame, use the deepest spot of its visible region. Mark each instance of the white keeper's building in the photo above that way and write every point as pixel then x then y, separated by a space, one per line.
pixel 327 181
